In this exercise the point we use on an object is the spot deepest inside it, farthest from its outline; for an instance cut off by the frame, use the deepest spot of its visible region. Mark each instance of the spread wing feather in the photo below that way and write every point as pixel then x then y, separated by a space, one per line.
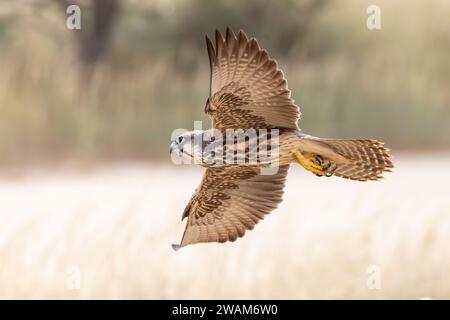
pixel 229 201
pixel 247 89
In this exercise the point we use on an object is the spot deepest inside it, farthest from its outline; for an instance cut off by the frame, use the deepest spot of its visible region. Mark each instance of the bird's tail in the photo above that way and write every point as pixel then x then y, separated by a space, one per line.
pixel 356 159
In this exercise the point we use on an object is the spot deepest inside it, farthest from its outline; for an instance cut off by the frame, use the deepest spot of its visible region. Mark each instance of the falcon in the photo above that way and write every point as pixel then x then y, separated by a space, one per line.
pixel 249 97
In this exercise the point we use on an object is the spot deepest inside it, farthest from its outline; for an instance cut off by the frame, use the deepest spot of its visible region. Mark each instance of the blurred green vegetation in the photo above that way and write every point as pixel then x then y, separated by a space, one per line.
pixel 392 84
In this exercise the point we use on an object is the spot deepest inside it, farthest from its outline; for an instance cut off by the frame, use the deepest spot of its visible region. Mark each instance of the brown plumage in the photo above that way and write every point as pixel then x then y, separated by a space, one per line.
pixel 243 76
pixel 247 92
pixel 356 159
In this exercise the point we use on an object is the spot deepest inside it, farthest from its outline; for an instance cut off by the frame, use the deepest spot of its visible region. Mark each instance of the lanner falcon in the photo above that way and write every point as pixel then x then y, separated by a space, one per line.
pixel 248 93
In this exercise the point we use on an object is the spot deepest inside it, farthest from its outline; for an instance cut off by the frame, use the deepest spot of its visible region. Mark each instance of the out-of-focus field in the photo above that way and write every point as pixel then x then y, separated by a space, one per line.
pixel 109 229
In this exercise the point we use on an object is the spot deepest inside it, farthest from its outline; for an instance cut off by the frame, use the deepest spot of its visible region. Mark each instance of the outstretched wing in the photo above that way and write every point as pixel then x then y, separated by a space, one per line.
pixel 247 88
pixel 229 201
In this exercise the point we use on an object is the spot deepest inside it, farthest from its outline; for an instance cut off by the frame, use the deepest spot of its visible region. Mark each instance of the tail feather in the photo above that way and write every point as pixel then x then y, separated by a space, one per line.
pixel 356 159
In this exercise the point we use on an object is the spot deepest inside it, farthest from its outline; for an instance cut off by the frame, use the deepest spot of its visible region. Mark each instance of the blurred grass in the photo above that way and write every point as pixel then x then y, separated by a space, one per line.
pixel 391 84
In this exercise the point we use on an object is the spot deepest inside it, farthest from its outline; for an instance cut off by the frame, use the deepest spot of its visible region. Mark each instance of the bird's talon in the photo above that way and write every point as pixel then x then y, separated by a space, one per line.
pixel 316 164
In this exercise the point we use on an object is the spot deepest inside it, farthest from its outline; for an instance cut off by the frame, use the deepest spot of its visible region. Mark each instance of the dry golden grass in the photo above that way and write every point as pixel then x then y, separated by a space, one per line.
pixel 113 226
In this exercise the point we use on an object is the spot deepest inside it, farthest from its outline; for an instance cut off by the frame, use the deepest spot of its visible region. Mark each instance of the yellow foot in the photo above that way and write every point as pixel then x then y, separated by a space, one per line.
pixel 316 164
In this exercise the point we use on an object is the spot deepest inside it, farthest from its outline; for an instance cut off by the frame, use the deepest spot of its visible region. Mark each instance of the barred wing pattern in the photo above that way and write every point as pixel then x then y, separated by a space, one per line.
pixel 247 88
pixel 229 201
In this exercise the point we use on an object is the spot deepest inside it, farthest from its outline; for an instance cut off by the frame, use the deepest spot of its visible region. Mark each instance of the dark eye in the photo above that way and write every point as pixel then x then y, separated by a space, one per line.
pixel 180 139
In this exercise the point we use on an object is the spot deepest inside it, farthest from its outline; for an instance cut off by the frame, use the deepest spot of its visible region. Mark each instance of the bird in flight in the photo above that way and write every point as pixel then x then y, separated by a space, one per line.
pixel 249 94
